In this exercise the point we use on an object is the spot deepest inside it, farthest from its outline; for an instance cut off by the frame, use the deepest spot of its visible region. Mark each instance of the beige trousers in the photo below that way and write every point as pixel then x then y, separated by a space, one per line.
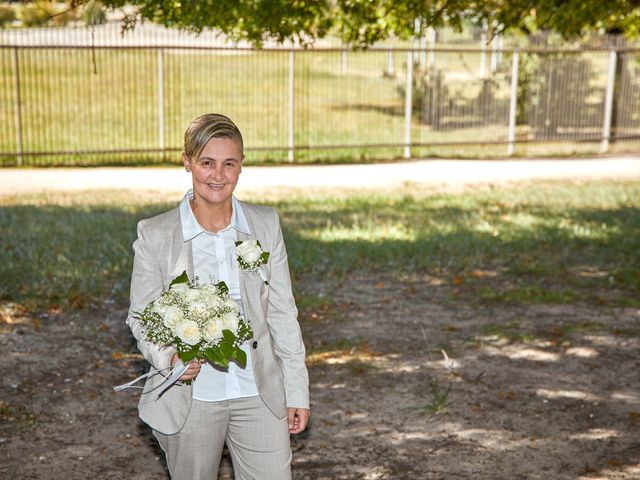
pixel 258 442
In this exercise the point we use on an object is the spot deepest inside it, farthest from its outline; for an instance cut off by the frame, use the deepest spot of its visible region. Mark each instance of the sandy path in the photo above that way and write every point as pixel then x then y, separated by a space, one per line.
pixel 431 173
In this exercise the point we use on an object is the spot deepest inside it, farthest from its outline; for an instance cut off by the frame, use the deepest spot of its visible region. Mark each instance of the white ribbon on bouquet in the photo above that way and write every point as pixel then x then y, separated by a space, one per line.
pixel 176 372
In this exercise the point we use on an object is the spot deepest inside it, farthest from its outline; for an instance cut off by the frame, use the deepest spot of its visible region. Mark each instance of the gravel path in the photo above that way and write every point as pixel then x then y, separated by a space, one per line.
pixel 445 174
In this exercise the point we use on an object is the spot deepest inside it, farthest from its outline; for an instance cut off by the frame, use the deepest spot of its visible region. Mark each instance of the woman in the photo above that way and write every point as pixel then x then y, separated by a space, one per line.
pixel 253 409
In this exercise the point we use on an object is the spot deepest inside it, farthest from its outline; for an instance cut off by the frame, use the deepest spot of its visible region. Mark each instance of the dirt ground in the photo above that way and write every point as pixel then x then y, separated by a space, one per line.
pixel 534 392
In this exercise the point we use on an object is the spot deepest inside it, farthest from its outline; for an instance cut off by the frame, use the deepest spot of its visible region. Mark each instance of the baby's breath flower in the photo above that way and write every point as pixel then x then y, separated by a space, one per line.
pixel 198 309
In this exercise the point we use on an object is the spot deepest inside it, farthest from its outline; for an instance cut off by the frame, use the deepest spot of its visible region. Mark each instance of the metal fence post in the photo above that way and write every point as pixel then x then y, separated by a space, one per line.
pixel 432 42
pixel 483 50
pixel 495 45
pixel 292 65
pixel 513 103
pixel 422 44
pixel 343 62
pixel 608 102
pixel 408 105
pixel 18 107
pixel 161 99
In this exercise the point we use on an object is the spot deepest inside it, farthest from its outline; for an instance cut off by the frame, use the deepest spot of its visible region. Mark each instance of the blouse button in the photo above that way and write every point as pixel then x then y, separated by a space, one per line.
pixel 254 344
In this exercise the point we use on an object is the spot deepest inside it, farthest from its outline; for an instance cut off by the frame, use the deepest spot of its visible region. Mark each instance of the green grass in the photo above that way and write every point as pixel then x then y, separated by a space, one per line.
pixel 19 415
pixel 543 242
pixel 67 105
pixel 438 399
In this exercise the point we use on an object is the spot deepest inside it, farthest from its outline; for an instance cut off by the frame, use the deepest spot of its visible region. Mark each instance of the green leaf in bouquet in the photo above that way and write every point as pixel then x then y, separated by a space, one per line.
pixel 182 278
pixel 186 353
pixel 222 287
pixel 227 348
pixel 244 331
pixel 228 336
pixel 264 257
pixel 240 357
pixel 238 242
pixel 214 357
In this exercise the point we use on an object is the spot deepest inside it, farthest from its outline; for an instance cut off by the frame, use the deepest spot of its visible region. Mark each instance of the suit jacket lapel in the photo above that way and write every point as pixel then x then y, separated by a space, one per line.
pixel 180 255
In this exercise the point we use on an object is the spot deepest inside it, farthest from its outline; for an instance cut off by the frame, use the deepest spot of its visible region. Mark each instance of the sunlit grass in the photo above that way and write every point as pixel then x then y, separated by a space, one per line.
pixel 541 242
pixel 66 104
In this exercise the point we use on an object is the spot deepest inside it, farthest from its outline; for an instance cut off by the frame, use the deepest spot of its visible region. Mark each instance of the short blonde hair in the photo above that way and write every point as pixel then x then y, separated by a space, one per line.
pixel 204 128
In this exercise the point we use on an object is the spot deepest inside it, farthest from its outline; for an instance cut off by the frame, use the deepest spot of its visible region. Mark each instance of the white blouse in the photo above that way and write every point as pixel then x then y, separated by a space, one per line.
pixel 214 260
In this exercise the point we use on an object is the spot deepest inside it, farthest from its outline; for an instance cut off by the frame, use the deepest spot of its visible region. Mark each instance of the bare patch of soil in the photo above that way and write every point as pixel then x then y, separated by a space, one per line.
pixel 534 391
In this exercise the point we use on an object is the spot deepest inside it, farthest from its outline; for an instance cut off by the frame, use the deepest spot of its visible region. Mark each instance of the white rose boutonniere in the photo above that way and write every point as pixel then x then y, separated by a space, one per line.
pixel 251 257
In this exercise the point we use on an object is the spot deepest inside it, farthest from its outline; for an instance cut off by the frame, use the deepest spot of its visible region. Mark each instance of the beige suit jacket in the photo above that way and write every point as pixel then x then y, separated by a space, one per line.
pixel 278 352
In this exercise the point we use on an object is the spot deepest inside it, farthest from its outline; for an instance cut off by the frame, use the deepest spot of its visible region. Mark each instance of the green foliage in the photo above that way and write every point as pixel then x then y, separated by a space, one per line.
pixel 63 17
pixel 93 13
pixel 214 357
pixel 7 15
pixel 36 14
pixel 438 398
pixel 18 415
pixel 626 112
pixel 561 79
pixel 187 352
pixel 182 278
pixel 364 22
pixel 240 357
pixel 430 94
pixel 239 20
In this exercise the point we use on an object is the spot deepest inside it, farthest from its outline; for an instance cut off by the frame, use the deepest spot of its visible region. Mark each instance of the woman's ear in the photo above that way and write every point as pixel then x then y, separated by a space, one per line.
pixel 186 162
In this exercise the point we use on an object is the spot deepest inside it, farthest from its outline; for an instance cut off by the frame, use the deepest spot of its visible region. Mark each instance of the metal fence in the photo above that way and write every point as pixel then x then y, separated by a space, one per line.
pixel 75 104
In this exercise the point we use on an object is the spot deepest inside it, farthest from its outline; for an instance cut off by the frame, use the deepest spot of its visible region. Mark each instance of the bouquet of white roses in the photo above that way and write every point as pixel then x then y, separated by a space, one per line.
pixel 201 321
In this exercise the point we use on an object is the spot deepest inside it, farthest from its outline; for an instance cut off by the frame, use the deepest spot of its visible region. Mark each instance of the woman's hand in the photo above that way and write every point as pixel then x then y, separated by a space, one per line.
pixel 193 370
pixel 298 419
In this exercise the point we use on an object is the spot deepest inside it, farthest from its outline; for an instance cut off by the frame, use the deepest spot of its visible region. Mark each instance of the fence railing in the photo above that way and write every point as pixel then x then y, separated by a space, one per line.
pixel 104 104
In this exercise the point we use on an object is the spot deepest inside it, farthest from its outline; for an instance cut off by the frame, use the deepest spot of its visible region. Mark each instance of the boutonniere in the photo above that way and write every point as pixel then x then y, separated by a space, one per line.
pixel 251 257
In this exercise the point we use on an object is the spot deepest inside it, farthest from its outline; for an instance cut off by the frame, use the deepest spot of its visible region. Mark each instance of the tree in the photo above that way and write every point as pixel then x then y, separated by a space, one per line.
pixel 363 22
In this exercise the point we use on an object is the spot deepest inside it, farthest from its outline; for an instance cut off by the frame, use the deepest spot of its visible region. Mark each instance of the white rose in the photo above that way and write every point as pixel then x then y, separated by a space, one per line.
pixel 191 295
pixel 158 307
pixel 198 309
pixel 229 321
pixel 209 289
pixel 249 251
pixel 171 317
pixel 188 332
pixel 212 331
pixel 213 301
pixel 180 288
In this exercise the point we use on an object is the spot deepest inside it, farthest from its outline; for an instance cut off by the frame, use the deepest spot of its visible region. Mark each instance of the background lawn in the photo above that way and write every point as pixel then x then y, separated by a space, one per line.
pixel 544 242
pixel 88 100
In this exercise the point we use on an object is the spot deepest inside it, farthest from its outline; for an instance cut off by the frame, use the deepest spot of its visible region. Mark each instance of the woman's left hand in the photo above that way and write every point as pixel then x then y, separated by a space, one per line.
pixel 298 419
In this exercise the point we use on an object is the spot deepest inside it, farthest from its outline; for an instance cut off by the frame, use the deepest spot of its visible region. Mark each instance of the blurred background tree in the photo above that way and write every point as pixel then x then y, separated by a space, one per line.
pixel 362 23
